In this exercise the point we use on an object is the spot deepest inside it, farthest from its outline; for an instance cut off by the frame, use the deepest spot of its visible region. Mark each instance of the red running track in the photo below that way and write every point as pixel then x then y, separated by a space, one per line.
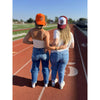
pixel 75 75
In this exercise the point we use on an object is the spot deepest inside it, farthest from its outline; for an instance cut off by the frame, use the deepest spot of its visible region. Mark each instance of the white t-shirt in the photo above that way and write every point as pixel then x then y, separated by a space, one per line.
pixel 56 35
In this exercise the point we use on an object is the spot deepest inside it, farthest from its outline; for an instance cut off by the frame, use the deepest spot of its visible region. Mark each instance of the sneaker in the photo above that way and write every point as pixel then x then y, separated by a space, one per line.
pixel 33 85
pixel 45 85
pixel 62 85
pixel 54 82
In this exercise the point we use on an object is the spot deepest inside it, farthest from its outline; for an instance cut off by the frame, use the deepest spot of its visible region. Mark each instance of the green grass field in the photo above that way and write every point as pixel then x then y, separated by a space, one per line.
pixel 23 26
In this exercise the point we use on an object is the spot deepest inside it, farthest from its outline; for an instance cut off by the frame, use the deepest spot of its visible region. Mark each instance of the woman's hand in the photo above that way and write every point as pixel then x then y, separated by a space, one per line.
pixel 62 47
pixel 45 50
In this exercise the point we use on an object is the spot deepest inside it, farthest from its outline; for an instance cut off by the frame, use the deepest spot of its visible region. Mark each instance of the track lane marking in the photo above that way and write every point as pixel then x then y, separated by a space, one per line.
pixel 40 96
pixel 71 63
pixel 73 71
pixel 22 67
pixel 81 59
pixel 22 50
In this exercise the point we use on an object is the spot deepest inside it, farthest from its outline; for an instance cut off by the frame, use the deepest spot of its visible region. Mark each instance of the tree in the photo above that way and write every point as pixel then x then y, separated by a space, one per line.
pixel 71 21
pixel 15 20
pixel 46 18
pixel 82 22
pixel 56 19
pixel 50 21
pixel 30 20
pixel 21 20
pixel 82 19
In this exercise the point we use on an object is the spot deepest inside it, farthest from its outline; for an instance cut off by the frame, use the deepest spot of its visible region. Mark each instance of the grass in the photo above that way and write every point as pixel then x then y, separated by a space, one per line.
pixel 19 32
pixel 48 28
pixel 23 26
pixel 15 38
pixel 26 31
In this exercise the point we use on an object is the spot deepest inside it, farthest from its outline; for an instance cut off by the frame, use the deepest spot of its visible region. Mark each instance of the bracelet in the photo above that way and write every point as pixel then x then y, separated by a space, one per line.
pixel 55 48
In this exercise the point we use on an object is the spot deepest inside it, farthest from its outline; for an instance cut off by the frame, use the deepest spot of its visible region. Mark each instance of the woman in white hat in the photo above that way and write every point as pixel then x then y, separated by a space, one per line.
pixel 59 58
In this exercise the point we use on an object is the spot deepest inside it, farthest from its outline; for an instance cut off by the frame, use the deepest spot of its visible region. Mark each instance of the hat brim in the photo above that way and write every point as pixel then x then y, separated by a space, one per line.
pixel 40 23
pixel 61 26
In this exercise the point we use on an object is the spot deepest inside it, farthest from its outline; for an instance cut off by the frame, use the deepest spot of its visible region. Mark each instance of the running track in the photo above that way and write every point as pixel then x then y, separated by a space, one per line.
pixel 75 75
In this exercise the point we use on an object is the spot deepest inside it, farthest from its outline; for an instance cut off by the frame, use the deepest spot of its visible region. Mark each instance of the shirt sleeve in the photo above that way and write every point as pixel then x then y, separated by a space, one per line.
pixel 56 34
pixel 72 38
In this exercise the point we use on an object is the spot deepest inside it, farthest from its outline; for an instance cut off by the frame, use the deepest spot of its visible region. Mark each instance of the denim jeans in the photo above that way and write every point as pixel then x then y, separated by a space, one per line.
pixel 59 61
pixel 37 56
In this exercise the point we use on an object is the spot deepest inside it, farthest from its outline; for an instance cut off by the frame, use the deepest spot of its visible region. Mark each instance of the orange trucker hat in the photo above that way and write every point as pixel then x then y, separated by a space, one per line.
pixel 40 19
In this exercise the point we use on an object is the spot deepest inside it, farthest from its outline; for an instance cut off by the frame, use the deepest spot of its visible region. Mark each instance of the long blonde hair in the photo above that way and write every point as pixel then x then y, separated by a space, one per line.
pixel 65 34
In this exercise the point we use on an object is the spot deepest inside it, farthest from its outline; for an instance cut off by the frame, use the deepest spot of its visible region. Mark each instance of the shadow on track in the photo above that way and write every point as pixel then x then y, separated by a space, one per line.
pixel 21 81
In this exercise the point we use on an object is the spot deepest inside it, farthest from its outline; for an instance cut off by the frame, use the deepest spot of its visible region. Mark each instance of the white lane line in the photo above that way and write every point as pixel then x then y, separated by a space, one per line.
pixel 83 45
pixel 23 50
pixel 81 59
pixel 40 96
pixel 41 93
pixel 71 63
pixel 22 67
pixel 17 35
pixel 17 39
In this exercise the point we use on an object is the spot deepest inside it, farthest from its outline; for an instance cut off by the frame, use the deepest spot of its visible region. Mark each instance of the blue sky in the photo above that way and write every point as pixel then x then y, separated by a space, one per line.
pixel 24 9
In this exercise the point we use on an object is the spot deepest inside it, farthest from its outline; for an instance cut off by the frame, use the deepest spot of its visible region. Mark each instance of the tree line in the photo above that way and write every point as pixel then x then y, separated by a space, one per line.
pixel 70 20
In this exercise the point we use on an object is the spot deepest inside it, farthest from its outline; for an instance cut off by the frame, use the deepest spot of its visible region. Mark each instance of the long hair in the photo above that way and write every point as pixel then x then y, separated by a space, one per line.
pixel 65 34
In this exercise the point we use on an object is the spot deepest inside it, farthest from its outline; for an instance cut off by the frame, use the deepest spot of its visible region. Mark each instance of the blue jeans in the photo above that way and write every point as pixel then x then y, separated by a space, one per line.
pixel 59 61
pixel 39 54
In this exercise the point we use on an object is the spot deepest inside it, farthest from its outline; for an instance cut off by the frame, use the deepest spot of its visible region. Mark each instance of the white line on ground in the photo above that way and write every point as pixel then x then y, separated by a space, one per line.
pixel 40 96
pixel 81 59
pixel 71 63
pixel 84 32
pixel 22 67
pixel 22 50
pixel 41 93
pixel 17 35
pixel 83 45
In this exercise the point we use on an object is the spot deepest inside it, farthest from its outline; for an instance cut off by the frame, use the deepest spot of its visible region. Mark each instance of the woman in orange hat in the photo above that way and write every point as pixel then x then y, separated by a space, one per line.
pixel 59 58
pixel 41 41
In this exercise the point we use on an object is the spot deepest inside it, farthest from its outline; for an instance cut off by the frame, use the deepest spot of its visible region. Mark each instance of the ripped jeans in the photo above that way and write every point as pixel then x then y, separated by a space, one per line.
pixel 39 54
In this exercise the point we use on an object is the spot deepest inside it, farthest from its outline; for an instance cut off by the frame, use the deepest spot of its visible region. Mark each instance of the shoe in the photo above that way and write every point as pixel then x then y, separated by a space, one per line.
pixel 33 85
pixel 62 85
pixel 45 85
pixel 54 82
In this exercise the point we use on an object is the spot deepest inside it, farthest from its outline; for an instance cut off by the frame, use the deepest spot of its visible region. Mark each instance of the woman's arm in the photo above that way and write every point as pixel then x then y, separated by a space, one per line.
pixel 26 38
pixel 72 41
pixel 72 45
pixel 52 47
pixel 55 43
